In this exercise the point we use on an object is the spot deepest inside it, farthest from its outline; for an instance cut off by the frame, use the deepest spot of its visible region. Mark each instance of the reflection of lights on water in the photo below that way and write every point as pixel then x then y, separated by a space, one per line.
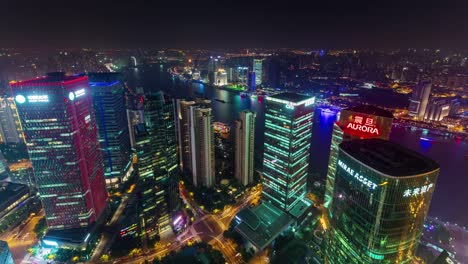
pixel 425 142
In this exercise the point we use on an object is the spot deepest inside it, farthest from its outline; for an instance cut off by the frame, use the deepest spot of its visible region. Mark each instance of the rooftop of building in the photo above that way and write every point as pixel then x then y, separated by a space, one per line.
pixel 370 110
pixel 300 208
pixel 262 224
pixel 103 84
pixel 388 157
pixel 10 192
pixel 69 236
pixel 291 97
pixel 52 78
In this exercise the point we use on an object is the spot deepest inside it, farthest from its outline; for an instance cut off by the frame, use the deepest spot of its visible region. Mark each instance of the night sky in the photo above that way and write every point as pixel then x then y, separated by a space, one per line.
pixel 231 24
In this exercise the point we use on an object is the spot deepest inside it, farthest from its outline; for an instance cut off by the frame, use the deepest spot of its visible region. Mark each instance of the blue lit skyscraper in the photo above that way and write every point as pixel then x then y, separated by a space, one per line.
pixel 111 119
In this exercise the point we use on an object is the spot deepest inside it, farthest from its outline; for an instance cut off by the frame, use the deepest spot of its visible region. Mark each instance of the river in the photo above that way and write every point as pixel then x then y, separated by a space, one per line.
pixel 449 202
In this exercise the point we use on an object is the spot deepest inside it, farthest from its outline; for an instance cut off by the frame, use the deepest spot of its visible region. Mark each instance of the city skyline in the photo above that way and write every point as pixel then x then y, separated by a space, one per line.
pixel 234 156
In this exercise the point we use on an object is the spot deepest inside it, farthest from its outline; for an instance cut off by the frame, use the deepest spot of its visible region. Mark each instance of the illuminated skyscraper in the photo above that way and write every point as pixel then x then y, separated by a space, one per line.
pixel 244 152
pixel 381 198
pixel 60 130
pixel 202 146
pixel 10 126
pixel 258 69
pixel 195 131
pixel 220 77
pixel 359 122
pixel 157 165
pixel 183 128
pixel 242 74
pixel 288 130
pixel 437 109
pixel 419 99
pixel 111 119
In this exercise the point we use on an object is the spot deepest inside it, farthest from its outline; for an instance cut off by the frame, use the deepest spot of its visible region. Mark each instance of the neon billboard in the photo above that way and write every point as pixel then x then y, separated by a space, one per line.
pixel 364 125
pixel 366 122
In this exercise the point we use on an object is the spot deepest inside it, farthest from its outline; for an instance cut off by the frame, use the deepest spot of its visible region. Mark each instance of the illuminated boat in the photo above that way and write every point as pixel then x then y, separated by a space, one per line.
pixel 426 139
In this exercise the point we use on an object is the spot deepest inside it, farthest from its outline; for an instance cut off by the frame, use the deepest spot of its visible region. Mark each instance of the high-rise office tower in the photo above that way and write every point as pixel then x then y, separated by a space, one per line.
pixel 381 198
pixel 437 109
pixel 258 69
pixel 202 146
pixel 242 74
pixel 184 131
pixel 359 122
pixel 156 144
pixel 5 254
pixel 419 99
pixel 288 130
pixel 10 126
pixel 183 128
pixel 108 95
pixel 60 130
pixel 244 151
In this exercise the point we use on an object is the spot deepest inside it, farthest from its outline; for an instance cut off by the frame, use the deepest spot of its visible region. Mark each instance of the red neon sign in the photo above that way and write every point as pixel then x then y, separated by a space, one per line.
pixel 363 126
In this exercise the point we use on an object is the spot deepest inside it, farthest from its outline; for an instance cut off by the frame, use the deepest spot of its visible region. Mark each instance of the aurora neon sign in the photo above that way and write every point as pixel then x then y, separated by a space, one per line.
pixel 365 125
pixel 357 176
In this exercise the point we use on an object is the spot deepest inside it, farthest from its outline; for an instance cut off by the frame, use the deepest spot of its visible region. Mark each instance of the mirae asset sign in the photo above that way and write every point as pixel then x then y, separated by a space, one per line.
pixel 357 176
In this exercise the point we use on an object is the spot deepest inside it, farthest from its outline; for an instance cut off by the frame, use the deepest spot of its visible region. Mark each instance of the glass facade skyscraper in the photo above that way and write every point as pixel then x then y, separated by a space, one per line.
pixel 111 118
pixel 381 198
pixel 359 122
pixel 288 130
pixel 60 130
pixel 158 166
pixel 258 69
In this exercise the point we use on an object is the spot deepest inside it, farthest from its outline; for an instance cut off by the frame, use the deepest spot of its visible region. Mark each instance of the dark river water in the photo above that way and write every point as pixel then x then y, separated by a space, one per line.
pixel 450 200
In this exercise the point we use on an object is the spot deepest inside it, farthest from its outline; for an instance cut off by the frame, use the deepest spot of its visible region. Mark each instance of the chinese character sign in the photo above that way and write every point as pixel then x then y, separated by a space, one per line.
pixel 418 190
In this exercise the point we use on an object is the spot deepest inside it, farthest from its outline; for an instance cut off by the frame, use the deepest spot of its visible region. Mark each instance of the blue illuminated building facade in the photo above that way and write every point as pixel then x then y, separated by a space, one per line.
pixel 288 130
pixel 108 94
